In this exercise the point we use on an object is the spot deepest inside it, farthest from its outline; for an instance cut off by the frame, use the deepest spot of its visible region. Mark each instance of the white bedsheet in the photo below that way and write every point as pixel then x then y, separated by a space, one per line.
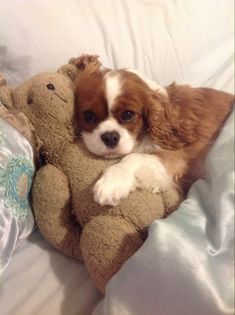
pixel 41 281
pixel 184 40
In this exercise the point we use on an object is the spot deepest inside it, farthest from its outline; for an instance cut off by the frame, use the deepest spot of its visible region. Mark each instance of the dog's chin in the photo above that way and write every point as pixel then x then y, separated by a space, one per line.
pixel 111 155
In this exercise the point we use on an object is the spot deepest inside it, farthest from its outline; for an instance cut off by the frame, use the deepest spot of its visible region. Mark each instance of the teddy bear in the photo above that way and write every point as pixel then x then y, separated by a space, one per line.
pixel 103 237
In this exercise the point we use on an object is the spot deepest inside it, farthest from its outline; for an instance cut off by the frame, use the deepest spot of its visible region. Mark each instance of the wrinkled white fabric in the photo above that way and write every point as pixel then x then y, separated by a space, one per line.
pixel 184 40
pixel 41 281
pixel 186 266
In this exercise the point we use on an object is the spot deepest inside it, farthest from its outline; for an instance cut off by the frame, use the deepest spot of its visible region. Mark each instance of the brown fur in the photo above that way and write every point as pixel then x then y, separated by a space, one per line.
pixel 185 126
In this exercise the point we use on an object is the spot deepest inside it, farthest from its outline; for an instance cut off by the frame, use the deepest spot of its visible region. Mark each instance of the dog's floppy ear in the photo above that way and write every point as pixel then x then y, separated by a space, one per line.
pixel 166 124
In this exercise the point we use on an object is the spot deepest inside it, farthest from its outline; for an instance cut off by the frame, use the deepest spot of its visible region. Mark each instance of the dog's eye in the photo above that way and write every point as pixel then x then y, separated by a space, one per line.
pixel 127 115
pixel 50 86
pixel 89 117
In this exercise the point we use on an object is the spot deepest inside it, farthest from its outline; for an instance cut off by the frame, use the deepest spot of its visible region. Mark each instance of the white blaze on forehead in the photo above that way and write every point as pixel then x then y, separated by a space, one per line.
pixel 113 88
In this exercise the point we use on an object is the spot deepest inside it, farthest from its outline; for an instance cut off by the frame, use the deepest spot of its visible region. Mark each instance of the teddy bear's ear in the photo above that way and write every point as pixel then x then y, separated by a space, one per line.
pixel 5 93
pixel 70 71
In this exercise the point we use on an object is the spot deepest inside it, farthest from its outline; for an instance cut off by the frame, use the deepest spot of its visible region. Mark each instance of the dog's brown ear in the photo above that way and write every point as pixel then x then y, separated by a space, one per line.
pixel 166 124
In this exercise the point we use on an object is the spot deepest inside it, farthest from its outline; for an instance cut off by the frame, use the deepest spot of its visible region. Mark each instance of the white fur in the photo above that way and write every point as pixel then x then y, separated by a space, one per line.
pixel 136 170
pixel 151 84
pixel 95 145
pixel 113 88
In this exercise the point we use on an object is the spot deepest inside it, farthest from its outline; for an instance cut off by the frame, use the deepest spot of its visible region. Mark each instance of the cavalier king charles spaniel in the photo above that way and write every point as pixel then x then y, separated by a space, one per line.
pixel 162 134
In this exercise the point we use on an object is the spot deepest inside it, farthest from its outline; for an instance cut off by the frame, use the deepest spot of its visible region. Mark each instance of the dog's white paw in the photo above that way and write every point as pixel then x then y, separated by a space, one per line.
pixel 114 185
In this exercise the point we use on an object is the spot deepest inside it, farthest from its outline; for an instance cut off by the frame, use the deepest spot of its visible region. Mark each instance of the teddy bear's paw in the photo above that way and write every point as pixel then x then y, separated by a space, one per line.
pixel 114 185
pixel 84 60
pixel 148 180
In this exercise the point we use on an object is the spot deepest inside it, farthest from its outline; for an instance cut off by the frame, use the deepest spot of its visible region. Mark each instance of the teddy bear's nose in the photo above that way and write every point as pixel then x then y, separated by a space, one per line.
pixel 110 139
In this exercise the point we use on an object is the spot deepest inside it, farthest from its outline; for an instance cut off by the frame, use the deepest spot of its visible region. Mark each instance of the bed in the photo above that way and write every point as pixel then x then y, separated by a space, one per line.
pixel 186 264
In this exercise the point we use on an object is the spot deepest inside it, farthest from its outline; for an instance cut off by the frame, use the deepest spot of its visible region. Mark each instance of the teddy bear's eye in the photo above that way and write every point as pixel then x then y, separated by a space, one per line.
pixel 50 86
pixel 30 100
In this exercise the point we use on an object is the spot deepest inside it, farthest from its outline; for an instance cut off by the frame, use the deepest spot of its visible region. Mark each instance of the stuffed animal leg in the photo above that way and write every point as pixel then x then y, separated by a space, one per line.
pixel 51 192
pixel 106 243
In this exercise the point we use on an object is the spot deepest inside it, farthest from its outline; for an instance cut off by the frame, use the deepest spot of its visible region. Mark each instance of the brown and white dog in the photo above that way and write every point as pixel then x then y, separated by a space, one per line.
pixel 162 134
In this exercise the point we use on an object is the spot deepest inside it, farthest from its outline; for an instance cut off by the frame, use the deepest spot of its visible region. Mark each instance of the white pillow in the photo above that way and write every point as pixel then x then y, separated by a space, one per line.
pixel 184 40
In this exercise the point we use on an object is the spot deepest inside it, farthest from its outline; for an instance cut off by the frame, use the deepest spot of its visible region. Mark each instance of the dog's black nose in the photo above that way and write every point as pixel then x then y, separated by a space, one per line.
pixel 110 139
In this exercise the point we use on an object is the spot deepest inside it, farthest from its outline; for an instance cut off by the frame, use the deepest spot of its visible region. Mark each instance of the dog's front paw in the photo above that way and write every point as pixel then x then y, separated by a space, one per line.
pixel 113 186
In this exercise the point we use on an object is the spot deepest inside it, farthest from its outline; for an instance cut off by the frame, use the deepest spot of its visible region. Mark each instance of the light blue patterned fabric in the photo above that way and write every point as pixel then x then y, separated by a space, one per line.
pixel 16 174
pixel 16 178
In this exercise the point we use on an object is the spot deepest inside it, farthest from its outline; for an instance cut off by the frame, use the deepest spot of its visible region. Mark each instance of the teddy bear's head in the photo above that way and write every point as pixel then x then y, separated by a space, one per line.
pixel 47 99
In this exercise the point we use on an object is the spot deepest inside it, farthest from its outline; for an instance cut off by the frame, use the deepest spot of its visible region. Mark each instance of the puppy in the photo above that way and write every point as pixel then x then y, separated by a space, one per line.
pixel 162 134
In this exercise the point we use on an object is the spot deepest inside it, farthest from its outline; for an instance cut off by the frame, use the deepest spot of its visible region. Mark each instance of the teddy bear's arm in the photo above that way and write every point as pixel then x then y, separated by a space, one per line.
pixel 51 203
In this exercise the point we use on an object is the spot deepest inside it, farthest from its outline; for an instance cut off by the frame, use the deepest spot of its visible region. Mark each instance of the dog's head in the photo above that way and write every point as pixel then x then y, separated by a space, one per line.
pixel 112 110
